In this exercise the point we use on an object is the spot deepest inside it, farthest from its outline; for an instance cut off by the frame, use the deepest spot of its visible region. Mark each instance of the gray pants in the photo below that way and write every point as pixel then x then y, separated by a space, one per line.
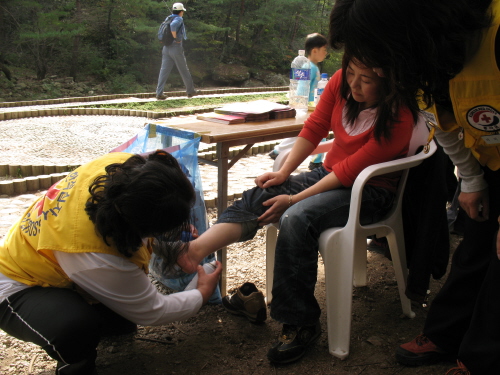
pixel 174 55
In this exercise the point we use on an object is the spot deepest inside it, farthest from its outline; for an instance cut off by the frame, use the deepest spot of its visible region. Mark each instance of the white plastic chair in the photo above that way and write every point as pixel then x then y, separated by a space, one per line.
pixel 343 249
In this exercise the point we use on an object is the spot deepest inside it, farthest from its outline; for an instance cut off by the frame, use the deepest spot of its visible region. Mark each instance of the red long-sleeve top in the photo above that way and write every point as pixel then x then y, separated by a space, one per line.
pixel 350 154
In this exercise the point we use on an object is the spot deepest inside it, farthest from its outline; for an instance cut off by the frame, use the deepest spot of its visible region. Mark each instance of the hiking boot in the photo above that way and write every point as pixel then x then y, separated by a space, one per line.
pixel 196 92
pixel 293 343
pixel 459 370
pixel 419 352
pixel 247 301
pixel 161 97
pixel 273 155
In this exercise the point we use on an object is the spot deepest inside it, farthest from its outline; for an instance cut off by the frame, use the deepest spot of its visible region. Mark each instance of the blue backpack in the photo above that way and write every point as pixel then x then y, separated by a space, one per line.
pixel 164 32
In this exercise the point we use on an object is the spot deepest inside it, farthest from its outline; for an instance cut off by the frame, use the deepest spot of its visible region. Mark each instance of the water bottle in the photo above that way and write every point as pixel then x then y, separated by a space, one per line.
pixel 300 79
pixel 320 88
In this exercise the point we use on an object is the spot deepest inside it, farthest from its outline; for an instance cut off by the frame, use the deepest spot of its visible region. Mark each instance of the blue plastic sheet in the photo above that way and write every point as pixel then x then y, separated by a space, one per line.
pixel 183 145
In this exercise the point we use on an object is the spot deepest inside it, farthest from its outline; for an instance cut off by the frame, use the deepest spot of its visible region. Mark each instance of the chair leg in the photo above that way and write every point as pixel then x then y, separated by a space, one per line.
pixel 339 261
pixel 271 238
pixel 360 259
pixel 397 247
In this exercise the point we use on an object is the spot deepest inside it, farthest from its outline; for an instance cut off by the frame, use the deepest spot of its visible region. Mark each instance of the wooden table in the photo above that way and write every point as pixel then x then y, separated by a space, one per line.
pixel 226 136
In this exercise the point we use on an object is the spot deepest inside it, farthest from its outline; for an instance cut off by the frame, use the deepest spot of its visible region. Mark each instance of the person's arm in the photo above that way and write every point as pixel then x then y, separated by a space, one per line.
pixel 279 204
pixel 474 197
pixel 124 288
pixel 175 25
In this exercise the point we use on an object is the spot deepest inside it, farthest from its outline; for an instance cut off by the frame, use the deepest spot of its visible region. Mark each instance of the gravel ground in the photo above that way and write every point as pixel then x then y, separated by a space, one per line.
pixel 66 139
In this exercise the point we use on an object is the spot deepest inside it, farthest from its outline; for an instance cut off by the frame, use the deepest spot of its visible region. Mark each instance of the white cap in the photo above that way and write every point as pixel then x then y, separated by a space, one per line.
pixel 178 6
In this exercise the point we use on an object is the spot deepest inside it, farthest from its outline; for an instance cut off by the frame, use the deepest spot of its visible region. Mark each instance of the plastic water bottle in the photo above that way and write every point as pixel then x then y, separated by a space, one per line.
pixel 300 79
pixel 321 87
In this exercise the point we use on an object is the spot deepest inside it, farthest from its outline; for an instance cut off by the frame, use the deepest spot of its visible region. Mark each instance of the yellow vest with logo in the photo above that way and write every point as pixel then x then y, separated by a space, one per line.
pixel 57 221
pixel 475 95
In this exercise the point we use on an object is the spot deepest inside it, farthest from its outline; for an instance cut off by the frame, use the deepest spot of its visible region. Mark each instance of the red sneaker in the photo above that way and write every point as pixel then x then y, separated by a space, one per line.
pixel 419 352
pixel 459 370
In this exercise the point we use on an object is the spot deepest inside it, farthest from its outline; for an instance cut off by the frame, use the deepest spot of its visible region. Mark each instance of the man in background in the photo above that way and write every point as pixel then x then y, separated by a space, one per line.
pixel 173 54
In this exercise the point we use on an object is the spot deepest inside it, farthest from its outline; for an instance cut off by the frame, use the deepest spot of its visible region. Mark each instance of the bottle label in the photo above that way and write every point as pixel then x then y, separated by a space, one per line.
pixel 320 91
pixel 300 74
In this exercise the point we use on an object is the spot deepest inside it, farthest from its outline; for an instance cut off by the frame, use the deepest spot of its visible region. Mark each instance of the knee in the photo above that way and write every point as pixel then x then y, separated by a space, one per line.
pixel 75 337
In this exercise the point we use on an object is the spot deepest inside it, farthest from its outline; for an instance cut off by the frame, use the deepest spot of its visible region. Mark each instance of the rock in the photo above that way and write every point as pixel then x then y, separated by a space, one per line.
pixel 252 83
pixel 230 73
pixel 375 340
pixel 271 78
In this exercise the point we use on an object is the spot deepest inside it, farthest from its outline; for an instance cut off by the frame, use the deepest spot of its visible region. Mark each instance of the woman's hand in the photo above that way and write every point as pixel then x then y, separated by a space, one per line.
pixel 476 205
pixel 208 282
pixel 194 231
pixel 269 179
pixel 279 205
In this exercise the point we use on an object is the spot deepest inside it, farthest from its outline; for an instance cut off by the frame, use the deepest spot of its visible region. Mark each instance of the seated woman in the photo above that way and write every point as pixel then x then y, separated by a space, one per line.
pixel 73 268
pixel 371 125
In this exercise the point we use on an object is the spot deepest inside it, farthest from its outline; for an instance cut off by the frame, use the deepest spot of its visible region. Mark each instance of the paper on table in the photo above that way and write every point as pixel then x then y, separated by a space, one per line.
pixel 256 107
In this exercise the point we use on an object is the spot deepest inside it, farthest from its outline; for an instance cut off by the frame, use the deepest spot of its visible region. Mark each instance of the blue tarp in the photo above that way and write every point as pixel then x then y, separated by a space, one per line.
pixel 183 145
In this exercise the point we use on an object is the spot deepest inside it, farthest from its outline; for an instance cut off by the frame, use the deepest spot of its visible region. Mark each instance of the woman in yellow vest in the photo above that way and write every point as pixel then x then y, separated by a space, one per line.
pixel 74 267
pixel 447 54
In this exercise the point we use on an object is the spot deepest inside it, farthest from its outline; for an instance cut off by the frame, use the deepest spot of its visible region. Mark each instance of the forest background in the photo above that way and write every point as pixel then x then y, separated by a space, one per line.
pixel 114 42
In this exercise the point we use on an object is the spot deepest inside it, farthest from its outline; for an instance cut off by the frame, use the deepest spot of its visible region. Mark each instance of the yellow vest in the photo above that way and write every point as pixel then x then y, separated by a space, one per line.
pixel 57 221
pixel 475 95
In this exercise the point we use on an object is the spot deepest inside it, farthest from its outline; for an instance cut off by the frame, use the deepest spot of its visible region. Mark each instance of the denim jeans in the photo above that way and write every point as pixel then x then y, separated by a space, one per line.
pixel 174 55
pixel 296 262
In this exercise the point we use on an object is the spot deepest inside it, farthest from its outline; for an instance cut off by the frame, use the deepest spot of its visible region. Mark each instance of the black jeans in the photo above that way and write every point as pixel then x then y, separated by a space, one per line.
pixel 62 323
pixel 464 318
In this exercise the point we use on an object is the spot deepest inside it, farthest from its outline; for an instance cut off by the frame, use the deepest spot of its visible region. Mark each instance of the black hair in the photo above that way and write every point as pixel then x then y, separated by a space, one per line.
pixel 419 45
pixel 314 41
pixel 177 11
pixel 141 198
pixel 387 109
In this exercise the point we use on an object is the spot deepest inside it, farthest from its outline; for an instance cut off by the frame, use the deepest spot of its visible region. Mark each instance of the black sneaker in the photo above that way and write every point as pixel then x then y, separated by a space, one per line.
pixel 247 301
pixel 293 343
pixel 273 155
pixel 196 92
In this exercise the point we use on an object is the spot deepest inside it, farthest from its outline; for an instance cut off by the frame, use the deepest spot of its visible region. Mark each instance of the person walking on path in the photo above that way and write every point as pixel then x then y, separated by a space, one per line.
pixel 174 55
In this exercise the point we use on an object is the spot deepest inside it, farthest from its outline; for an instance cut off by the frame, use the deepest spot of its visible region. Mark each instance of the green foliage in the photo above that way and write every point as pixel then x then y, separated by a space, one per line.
pixel 117 38
pixel 126 83
pixel 194 102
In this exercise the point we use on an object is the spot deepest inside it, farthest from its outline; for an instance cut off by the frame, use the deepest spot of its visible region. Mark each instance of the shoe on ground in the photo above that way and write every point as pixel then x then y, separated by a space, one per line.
pixel 459 370
pixel 314 165
pixel 273 155
pixel 293 343
pixel 247 301
pixel 161 97
pixel 419 352
pixel 196 92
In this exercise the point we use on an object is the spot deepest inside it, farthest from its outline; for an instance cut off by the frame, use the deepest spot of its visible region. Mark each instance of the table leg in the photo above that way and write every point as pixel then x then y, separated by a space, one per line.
pixel 222 152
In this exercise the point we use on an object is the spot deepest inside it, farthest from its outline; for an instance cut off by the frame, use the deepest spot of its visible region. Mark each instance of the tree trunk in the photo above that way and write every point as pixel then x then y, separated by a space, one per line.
pixel 76 45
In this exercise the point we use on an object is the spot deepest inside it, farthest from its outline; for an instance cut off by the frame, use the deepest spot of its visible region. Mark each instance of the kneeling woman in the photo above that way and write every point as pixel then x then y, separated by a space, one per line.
pixel 372 124
pixel 73 268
